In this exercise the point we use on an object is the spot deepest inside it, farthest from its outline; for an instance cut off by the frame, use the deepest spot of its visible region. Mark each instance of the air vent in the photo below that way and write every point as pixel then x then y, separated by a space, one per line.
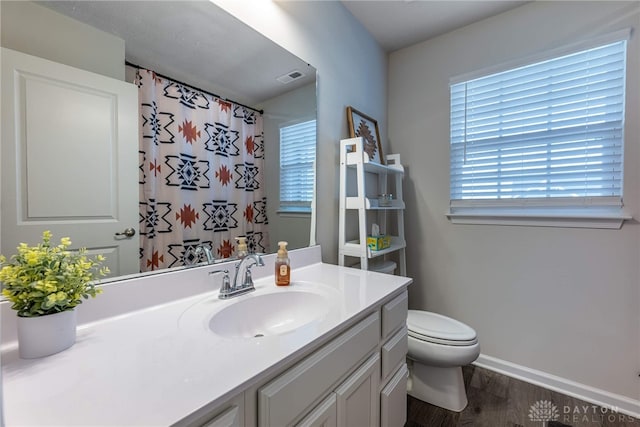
pixel 289 77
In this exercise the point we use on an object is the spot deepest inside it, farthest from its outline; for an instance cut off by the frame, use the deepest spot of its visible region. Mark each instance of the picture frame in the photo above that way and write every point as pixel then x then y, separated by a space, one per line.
pixel 362 125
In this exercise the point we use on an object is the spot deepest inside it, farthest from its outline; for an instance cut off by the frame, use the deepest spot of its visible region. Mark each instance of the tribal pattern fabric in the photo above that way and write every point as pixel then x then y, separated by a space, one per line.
pixel 201 168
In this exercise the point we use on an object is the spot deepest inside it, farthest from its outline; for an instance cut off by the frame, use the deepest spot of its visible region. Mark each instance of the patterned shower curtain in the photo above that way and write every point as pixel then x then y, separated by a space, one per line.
pixel 201 174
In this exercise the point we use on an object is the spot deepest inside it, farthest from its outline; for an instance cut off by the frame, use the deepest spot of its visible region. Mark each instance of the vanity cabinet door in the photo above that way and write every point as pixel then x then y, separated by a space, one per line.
pixel 289 396
pixel 393 400
pixel 232 417
pixel 358 396
pixel 324 415
pixel 228 414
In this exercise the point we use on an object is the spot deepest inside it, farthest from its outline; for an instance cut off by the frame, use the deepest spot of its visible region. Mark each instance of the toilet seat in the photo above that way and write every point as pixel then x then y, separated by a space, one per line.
pixel 438 329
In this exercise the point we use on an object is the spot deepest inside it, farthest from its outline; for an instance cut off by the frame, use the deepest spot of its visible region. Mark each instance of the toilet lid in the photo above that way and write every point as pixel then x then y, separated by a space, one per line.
pixel 442 328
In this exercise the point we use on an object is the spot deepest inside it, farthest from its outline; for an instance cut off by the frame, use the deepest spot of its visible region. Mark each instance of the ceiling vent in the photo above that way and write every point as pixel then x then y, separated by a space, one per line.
pixel 291 76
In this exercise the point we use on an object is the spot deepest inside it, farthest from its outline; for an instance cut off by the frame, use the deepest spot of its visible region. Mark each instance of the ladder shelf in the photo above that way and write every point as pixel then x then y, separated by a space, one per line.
pixel 362 181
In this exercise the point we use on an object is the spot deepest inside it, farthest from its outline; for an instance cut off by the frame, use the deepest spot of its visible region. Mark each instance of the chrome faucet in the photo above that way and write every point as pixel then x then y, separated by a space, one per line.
pixel 207 252
pixel 242 282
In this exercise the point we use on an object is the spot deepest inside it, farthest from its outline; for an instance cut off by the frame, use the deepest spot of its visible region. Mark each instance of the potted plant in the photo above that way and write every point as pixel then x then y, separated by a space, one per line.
pixel 45 283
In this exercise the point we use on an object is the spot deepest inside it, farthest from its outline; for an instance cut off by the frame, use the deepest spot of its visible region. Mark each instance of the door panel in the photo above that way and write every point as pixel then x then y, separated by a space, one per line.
pixel 393 400
pixel 69 159
pixel 324 415
pixel 358 398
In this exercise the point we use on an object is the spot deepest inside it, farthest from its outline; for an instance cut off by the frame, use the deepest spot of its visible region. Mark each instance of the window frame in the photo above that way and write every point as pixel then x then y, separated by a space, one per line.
pixel 590 213
pixel 298 207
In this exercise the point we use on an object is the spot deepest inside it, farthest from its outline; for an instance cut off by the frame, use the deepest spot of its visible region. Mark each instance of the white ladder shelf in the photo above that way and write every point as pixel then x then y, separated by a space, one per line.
pixel 365 199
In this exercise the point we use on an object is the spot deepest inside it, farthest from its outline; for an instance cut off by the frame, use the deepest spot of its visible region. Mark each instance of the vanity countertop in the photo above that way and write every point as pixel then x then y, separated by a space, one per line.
pixel 152 367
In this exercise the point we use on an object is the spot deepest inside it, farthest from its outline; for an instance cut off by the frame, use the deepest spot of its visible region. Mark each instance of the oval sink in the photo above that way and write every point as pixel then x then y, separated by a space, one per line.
pixel 275 313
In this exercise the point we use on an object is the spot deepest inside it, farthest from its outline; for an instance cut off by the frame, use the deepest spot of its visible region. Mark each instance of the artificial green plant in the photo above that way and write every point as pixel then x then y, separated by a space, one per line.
pixel 47 279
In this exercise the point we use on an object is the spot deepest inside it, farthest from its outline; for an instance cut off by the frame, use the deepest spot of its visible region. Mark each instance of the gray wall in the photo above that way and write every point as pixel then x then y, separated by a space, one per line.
pixel 352 70
pixel 38 31
pixel 293 107
pixel 559 300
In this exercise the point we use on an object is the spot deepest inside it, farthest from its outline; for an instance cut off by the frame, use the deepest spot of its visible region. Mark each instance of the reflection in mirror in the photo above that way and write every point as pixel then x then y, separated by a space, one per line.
pixel 203 51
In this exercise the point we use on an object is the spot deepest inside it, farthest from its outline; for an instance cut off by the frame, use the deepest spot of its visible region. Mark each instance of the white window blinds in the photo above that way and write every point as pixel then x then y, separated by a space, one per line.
pixel 297 158
pixel 550 131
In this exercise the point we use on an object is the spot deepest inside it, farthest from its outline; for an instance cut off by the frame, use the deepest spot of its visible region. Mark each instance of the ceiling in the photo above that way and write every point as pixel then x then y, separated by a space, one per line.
pixel 177 38
pixel 195 42
pixel 396 24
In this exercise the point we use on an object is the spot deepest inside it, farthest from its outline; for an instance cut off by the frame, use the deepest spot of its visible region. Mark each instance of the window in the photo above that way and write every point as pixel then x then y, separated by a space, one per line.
pixel 297 170
pixel 548 135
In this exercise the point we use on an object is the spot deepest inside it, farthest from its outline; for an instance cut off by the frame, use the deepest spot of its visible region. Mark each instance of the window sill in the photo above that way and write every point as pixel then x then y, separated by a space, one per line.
pixel 606 218
pixel 301 213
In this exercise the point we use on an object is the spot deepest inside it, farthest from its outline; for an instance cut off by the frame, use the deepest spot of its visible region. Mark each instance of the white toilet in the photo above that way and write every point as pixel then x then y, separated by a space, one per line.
pixel 438 348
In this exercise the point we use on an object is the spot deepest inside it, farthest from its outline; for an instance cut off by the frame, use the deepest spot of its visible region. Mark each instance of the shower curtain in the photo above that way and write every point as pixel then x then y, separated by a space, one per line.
pixel 201 174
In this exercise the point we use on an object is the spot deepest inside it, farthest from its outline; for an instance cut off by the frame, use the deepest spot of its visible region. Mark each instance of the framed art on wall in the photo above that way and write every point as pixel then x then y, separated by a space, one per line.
pixel 366 127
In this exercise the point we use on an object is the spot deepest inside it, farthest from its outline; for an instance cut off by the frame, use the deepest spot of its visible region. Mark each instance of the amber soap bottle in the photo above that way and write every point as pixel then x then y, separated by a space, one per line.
pixel 283 266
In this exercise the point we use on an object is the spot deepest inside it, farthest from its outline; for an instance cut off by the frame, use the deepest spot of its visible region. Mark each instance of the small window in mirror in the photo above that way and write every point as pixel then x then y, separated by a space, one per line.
pixel 297 159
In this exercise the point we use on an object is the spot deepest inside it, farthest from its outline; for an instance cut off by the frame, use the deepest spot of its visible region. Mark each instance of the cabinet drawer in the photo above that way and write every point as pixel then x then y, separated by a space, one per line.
pixel 394 352
pixel 282 400
pixel 394 314
pixel 393 400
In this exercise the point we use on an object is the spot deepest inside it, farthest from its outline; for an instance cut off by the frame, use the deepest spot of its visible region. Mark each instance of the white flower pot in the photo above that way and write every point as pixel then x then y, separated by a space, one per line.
pixel 46 335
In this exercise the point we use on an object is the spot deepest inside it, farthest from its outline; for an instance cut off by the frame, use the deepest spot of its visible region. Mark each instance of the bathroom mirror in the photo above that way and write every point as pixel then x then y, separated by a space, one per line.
pixel 198 43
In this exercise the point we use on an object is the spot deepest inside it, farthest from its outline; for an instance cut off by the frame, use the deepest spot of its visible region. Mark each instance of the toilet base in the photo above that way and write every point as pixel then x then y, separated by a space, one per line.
pixel 443 387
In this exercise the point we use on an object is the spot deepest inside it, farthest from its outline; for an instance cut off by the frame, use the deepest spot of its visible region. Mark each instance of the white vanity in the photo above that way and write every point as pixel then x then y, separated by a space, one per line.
pixel 164 350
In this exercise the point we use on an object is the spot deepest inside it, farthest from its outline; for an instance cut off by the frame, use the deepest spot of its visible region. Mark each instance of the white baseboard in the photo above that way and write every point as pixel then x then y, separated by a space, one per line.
pixel 615 402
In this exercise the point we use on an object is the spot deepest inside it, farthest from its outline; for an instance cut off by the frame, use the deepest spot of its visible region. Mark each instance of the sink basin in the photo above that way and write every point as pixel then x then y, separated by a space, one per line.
pixel 258 315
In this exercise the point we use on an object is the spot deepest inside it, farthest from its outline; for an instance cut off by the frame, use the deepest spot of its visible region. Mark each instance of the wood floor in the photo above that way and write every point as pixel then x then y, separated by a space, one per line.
pixel 496 400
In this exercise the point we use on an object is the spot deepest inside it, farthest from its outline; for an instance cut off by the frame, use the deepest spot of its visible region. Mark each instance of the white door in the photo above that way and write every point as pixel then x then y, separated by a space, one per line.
pixel 69 159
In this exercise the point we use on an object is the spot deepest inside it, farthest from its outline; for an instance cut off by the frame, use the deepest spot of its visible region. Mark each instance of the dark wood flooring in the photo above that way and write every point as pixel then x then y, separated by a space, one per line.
pixel 496 400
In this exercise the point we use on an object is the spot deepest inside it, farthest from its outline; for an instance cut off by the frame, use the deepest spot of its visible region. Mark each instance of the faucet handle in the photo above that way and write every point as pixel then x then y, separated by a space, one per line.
pixel 226 282
pixel 248 280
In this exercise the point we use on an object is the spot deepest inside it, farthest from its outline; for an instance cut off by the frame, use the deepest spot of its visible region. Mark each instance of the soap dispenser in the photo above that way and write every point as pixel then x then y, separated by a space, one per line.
pixel 283 267
pixel 242 246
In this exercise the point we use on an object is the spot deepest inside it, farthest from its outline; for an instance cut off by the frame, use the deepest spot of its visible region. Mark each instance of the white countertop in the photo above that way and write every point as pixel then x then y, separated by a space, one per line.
pixel 154 366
